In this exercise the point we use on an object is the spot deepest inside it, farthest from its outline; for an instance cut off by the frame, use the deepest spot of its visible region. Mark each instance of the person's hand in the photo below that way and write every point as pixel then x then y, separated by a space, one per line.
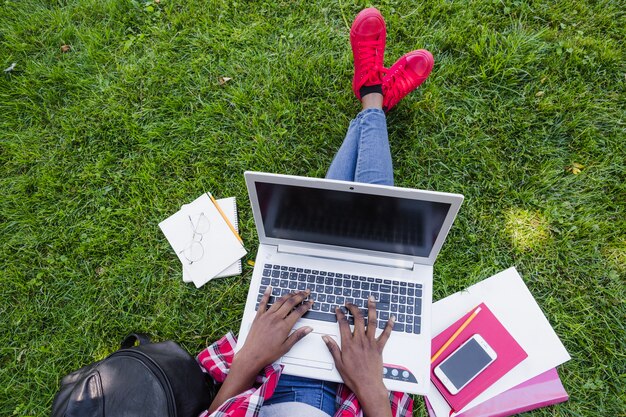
pixel 269 337
pixel 267 341
pixel 360 359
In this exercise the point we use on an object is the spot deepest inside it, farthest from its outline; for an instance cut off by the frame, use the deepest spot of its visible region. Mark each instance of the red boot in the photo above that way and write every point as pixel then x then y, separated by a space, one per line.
pixel 405 76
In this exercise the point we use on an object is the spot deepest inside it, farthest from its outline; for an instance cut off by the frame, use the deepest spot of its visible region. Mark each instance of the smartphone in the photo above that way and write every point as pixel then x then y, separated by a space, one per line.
pixel 465 364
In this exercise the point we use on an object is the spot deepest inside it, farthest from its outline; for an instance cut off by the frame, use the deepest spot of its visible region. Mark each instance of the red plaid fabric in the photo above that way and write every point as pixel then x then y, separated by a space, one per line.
pixel 216 359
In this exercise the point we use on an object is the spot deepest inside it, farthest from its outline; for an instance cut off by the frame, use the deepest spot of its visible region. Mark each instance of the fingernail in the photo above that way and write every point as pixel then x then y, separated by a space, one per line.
pixel 325 339
pixel 392 319
pixel 308 330
pixel 268 289
pixel 372 299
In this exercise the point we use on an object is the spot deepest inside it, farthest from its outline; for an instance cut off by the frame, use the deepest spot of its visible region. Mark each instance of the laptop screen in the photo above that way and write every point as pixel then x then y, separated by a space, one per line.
pixel 350 219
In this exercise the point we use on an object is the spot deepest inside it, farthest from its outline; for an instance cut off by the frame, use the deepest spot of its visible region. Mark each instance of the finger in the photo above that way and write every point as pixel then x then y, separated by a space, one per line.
pixel 298 312
pixel 371 317
pixel 359 322
pixel 297 336
pixel 264 300
pixel 281 301
pixel 292 301
pixel 344 327
pixel 382 339
pixel 278 303
pixel 334 350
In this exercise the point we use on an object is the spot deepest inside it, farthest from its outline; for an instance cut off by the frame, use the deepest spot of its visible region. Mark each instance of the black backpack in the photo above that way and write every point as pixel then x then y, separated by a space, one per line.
pixel 151 380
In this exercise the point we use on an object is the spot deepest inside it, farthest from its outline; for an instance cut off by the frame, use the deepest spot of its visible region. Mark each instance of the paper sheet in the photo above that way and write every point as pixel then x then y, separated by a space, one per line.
pixel 511 301
pixel 229 207
pixel 202 240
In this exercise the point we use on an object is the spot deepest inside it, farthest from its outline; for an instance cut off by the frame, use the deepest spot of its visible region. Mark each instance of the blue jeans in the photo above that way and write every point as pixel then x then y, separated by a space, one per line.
pixel 318 394
pixel 364 156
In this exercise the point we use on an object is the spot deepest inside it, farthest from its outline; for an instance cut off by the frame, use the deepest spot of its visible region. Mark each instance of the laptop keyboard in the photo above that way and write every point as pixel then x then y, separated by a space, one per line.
pixel 331 289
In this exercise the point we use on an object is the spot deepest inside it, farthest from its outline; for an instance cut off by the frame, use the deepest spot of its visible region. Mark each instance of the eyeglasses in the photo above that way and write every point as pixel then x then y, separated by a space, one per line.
pixel 200 225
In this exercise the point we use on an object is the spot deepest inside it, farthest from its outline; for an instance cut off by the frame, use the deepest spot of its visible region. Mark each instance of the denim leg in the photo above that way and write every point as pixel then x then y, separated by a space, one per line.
pixel 316 393
pixel 344 162
pixel 364 155
pixel 374 164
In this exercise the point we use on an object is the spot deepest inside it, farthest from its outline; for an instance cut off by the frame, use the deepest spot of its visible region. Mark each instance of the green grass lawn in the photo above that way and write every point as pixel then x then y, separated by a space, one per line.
pixel 524 114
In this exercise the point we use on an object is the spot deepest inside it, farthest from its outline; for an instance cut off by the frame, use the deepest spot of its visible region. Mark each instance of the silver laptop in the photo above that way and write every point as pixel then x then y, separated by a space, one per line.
pixel 346 241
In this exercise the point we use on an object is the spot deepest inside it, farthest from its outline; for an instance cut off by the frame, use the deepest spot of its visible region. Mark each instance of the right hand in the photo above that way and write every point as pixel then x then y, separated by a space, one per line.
pixel 360 360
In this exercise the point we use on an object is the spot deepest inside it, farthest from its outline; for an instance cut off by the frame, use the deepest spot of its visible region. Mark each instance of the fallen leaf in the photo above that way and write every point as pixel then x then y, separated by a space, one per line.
pixel 11 67
pixel 65 48
pixel 224 80
pixel 157 1
pixel 543 80
pixel 575 168
pixel 539 94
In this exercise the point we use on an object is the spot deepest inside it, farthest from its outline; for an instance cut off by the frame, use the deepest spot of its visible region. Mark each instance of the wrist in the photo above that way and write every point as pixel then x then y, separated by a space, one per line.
pixel 247 361
pixel 244 370
pixel 374 398
pixel 241 376
pixel 371 390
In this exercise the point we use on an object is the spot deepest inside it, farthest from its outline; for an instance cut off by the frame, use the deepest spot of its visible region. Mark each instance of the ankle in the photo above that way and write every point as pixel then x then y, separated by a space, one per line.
pixel 372 101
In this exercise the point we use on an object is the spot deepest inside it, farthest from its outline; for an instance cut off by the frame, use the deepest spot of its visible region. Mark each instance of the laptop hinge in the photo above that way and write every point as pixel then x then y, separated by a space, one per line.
pixel 346 256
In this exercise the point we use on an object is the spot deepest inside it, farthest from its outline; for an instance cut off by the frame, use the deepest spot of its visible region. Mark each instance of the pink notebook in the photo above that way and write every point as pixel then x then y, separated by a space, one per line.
pixel 510 353
pixel 541 391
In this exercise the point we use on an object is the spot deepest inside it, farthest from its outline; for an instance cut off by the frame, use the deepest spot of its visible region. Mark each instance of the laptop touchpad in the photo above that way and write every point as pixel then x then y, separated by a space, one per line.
pixel 311 351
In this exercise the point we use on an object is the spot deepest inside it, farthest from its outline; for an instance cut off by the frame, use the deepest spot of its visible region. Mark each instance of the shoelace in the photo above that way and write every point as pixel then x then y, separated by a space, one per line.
pixel 368 55
pixel 398 86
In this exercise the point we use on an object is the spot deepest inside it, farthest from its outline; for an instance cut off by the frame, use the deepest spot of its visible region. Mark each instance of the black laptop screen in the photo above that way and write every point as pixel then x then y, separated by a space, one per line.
pixel 350 219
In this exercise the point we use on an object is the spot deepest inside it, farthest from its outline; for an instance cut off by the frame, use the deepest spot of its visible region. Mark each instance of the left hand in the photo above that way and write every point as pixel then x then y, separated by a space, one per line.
pixel 269 337
pixel 267 341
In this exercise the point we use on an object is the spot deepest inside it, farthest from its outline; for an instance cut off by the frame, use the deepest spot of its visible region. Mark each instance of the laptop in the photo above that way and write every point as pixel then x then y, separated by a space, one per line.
pixel 346 241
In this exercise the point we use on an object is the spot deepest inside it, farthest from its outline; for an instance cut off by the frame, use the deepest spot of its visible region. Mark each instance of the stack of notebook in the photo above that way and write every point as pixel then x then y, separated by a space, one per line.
pixel 509 353
pixel 205 236
pixel 523 375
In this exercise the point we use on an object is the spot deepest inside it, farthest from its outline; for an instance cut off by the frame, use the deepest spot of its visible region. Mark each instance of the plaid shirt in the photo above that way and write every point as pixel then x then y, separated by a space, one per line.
pixel 216 360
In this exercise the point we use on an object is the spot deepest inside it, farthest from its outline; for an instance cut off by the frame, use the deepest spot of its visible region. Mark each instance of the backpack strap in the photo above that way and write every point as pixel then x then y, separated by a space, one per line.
pixel 131 339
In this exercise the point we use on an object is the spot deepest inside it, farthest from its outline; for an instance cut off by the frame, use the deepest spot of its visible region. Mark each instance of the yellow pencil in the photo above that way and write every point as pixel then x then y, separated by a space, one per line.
pixel 455 335
pixel 232 228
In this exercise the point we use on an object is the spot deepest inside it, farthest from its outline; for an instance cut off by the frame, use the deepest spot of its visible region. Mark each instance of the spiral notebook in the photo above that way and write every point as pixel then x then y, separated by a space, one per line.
pixel 205 241
pixel 229 207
